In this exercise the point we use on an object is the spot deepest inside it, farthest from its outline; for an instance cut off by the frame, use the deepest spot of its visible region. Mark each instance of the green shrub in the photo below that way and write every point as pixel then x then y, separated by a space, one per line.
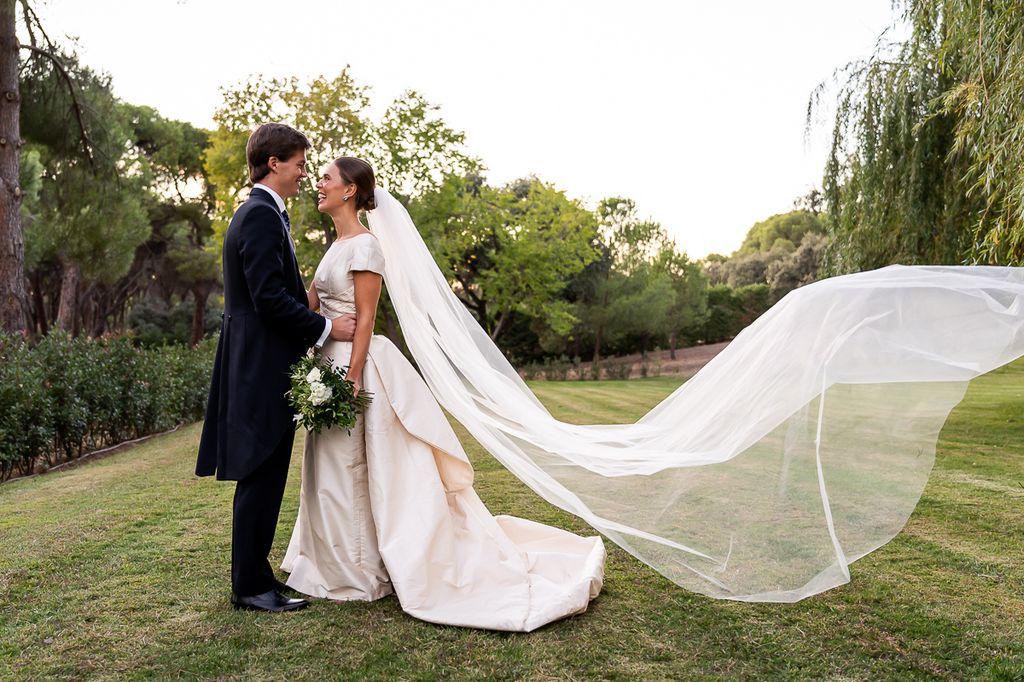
pixel 63 364
pixel 617 369
pixel 26 410
pixel 154 323
pixel 65 396
pixel 731 310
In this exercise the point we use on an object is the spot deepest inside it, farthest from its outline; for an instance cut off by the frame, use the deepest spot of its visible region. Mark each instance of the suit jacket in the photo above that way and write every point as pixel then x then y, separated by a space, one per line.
pixel 267 327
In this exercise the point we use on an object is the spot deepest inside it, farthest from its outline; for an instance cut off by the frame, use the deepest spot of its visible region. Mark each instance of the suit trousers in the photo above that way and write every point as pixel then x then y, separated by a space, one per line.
pixel 257 506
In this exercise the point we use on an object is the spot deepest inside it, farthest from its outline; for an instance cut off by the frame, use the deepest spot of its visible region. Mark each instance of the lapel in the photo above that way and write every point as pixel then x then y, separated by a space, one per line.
pixel 257 194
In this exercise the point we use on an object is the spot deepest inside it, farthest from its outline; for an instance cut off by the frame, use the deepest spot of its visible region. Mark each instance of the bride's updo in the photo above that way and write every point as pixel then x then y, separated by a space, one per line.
pixel 360 174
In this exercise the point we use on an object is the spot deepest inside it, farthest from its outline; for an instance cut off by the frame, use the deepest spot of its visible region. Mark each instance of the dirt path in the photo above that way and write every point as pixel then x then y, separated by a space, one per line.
pixel 685 364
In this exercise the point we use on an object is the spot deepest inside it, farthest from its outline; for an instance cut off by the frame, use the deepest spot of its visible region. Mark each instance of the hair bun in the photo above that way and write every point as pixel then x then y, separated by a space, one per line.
pixel 359 173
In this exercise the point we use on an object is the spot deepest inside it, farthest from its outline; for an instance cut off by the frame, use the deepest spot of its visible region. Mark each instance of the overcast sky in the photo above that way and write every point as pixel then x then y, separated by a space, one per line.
pixel 694 110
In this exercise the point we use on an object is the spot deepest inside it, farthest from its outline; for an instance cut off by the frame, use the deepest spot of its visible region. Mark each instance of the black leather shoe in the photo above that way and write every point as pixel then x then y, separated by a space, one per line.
pixel 281 587
pixel 272 601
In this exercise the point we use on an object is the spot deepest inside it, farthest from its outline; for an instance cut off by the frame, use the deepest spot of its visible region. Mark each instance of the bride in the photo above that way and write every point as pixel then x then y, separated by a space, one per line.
pixel 801 447
pixel 391 507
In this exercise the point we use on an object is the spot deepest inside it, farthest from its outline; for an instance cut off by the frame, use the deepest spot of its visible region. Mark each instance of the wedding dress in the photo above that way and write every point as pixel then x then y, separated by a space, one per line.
pixel 800 448
pixel 391 507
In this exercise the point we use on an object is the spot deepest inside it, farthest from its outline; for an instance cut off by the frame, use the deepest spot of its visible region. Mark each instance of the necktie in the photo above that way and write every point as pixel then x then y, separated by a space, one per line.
pixel 288 225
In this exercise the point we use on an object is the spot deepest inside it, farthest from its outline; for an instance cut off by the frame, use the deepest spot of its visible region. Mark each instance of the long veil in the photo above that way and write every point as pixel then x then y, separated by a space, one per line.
pixel 801 447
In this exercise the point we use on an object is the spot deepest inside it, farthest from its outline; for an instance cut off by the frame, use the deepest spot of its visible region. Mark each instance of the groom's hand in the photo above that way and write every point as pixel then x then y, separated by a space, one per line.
pixel 343 328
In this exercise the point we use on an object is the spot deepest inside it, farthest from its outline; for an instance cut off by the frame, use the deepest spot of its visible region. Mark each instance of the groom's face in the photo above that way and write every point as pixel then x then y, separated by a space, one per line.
pixel 291 173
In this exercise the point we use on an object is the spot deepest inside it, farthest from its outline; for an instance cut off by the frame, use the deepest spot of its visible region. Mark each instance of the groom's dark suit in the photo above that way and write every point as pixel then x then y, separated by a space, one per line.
pixel 248 432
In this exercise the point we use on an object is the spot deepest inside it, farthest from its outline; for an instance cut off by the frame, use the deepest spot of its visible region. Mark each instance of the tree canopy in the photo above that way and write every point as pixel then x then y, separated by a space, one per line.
pixel 925 163
pixel 410 146
pixel 508 250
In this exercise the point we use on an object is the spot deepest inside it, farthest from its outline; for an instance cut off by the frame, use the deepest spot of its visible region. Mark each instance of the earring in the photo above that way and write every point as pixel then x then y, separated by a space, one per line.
pixel 345 198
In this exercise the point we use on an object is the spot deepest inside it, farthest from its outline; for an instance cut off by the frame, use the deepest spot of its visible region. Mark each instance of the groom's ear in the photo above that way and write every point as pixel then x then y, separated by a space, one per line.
pixel 272 163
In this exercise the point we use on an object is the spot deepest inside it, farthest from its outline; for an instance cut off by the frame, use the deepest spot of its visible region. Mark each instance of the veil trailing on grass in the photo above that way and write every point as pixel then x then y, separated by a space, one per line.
pixel 801 447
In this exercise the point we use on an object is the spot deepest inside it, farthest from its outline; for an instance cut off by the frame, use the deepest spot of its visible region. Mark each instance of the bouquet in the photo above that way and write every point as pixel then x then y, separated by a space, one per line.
pixel 322 397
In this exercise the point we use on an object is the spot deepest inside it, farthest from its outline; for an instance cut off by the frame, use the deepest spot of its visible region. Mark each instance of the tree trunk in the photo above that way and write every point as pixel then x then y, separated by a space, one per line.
pixel 672 345
pixel 68 313
pixel 499 325
pixel 13 298
pixel 198 316
pixel 51 295
pixel 596 362
pixel 40 304
pixel 98 313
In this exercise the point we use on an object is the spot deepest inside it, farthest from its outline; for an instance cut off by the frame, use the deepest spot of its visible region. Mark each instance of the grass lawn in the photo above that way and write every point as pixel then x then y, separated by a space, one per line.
pixel 119 568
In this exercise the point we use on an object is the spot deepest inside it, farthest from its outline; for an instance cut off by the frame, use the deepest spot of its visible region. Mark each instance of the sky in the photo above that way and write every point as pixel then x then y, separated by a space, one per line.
pixel 695 110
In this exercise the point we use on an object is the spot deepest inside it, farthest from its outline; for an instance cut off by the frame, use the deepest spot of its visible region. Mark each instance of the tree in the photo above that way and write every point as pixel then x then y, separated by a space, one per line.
pixel 770 253
pixel 410 147
pixel 640 307
pixel 740 270
pixel 509 250
pixel 99 236
pixel 730 310
pixel 86 185
pixel 641 288
pixel 925 163
pixel 813 201
pixel 90 232
pixel 686 317
pixel 178 249
pixel 90 215
pixel 13 299
pixel 413 150
pixel 330 112
pixel 798 268
pixel 784 227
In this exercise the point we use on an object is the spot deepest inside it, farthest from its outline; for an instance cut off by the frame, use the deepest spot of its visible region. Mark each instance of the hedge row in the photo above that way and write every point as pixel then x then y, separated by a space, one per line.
pixel 564 369
pixel 63 397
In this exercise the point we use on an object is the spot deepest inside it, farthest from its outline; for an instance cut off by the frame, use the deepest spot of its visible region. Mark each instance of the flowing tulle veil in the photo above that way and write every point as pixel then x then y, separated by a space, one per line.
pixel 800 448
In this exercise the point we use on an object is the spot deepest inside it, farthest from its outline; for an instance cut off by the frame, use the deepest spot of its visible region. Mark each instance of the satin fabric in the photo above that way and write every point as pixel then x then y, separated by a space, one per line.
pixel 798 449
pixel 392 506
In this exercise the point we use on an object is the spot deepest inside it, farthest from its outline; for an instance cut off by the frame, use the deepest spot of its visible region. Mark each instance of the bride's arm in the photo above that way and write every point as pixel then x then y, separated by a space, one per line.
pixel 314 300
pixel 368 286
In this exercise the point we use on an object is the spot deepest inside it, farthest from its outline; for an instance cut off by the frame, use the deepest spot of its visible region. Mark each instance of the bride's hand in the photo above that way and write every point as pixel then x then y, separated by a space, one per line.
pixel 356 386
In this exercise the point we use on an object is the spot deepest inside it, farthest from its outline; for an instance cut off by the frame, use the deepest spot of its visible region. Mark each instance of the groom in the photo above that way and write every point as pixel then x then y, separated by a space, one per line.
pixel 248 432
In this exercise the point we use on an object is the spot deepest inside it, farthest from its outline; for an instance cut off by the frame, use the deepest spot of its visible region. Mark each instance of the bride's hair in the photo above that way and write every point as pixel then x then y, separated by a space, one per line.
pixel 359 173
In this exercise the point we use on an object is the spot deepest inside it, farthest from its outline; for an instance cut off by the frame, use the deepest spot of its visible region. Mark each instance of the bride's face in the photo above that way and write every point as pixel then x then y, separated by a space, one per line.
pixel 332 189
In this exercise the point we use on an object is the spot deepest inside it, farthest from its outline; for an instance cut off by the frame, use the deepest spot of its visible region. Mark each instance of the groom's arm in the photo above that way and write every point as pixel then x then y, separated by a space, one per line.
pixel 261 246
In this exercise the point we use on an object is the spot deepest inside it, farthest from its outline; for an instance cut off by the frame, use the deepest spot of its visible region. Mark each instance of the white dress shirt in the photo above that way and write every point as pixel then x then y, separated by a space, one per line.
pixel 280 206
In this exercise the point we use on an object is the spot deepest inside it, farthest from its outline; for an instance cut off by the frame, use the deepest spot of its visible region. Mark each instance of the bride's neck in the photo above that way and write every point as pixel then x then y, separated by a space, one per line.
pixel 347 225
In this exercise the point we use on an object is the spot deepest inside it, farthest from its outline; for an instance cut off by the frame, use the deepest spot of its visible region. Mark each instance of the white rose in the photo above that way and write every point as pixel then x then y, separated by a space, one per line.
pixel 314 375
pixel 319 394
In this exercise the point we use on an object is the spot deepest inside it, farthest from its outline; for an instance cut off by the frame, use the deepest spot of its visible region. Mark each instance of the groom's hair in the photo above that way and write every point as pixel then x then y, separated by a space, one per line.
pixel 272 139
